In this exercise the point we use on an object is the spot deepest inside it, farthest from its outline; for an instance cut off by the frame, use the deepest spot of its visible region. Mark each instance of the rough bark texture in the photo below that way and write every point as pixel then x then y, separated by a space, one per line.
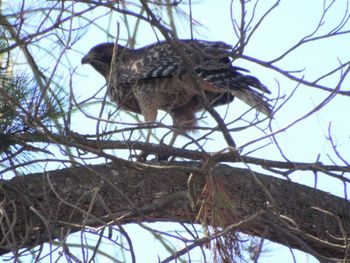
pixel 40 207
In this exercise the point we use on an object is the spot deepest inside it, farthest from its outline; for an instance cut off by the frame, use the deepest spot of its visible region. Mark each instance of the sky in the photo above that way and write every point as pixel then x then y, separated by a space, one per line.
pixel 282 29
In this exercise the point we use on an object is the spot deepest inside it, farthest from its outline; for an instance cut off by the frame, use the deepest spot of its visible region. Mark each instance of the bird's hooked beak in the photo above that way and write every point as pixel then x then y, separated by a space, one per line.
pixel 88 58
pixel 85 60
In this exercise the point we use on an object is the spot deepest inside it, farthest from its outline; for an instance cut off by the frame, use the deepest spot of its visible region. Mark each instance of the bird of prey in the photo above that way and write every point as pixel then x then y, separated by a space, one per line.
pixel 158 77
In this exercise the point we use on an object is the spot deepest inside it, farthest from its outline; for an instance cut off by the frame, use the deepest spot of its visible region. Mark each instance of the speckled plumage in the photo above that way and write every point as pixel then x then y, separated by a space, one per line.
pixel 155 77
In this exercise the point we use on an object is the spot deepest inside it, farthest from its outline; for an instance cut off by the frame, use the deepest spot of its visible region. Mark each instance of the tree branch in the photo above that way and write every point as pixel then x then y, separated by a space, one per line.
pixel 40 207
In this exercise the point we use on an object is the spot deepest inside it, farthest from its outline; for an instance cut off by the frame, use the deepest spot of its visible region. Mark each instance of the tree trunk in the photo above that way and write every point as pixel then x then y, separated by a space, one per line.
pixel 40 207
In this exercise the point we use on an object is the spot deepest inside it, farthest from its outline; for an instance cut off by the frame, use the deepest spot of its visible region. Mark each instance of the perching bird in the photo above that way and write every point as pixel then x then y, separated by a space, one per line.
pixel 156 77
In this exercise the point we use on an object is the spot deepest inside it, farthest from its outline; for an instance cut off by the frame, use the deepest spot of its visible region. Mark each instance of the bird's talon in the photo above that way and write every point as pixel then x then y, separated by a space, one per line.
pixel 142 157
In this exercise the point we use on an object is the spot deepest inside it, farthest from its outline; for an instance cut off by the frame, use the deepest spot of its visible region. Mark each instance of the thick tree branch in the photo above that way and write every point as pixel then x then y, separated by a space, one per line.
pixel 40 207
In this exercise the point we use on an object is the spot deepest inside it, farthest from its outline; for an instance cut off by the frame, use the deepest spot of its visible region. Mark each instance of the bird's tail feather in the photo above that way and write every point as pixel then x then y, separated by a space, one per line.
pixel 251 91
pixel 244 87
pixel 254 99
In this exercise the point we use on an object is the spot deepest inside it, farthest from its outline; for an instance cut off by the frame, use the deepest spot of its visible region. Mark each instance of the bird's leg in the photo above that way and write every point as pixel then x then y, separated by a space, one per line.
pixel 173 138
pixel 150 118
pixel 183 120
pixel 149 134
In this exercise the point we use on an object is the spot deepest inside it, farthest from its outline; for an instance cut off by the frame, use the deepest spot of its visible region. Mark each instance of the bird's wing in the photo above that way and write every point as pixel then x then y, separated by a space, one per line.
pixel 162 60
pixel 210 61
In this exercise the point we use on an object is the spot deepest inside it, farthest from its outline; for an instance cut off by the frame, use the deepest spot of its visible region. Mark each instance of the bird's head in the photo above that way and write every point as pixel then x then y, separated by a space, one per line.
pixel 100 57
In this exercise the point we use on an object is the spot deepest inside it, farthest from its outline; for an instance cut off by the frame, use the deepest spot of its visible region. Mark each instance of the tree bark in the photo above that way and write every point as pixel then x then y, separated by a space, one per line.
pixel 40 207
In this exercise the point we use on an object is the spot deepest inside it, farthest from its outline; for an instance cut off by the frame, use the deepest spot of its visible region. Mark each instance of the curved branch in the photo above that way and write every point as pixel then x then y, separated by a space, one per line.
pixel 40 207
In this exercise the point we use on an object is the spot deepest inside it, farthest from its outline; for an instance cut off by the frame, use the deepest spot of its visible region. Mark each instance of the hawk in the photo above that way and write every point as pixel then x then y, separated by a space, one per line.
pixel 157 77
